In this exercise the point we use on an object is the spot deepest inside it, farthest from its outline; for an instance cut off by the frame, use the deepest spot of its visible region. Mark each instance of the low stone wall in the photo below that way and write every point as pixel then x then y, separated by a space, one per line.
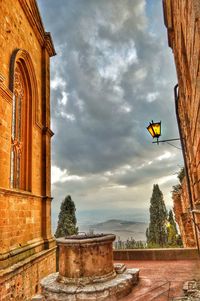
pixel 22 280
pixel 156 254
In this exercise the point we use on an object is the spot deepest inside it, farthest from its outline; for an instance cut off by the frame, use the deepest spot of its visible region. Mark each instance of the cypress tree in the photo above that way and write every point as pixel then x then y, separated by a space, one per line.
pixel 172 230
pixel 172 221
pixel 157 231
pixel 67 218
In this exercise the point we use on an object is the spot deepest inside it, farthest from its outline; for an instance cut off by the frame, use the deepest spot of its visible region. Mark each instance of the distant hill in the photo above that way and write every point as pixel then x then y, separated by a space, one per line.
pixel 116 222
pixel 124 223
pixel 121 228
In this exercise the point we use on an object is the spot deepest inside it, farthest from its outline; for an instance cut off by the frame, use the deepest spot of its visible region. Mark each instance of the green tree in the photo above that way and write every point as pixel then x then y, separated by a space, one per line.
pixel 172 232
pixel 174 238
pixel 157 231
pixel 67 218
pixel 172 221
pixel 147 234
pixel 180 176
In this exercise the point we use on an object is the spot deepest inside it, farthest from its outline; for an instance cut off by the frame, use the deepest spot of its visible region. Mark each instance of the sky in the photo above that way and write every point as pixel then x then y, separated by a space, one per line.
pixel 113 73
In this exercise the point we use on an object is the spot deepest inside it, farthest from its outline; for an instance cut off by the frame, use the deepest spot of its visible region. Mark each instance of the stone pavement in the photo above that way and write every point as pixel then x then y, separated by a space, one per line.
pixel 162 280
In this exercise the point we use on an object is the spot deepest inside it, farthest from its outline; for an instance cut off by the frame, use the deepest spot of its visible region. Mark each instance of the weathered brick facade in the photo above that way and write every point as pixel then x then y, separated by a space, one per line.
pixel 182 19
pixel 183 216
pixel 27 248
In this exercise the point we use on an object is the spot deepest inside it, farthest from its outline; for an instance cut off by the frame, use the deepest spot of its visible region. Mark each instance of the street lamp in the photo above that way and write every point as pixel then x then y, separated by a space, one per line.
pixel 154 129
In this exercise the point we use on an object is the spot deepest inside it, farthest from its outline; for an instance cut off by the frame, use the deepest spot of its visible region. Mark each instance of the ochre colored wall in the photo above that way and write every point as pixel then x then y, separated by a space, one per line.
pixel 182 19
pixel 16 32
pixel 22 284
pixel 183 216
pixel 25 216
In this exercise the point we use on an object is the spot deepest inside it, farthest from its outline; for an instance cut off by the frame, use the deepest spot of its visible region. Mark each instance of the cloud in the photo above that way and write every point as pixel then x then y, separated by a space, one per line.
pixel 58 175
pixel 113 74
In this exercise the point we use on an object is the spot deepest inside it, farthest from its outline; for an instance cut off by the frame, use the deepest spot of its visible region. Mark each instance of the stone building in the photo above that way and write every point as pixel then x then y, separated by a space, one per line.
pixel 27 248
pixel 182 19
pixel 183 215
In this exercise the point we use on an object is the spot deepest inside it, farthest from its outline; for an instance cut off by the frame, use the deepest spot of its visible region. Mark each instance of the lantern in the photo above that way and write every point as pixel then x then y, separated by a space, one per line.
pixel 154 129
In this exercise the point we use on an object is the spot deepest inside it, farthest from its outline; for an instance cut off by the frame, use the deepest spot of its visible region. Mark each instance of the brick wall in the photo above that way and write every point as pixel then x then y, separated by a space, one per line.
pixel 16 32
pixel 23 283
pixel 27 248
pixel 183 216
pixel 182 19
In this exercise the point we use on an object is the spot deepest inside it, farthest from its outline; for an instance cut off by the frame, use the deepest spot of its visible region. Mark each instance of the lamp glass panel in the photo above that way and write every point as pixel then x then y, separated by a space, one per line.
pixel 156 129
pixel 150 129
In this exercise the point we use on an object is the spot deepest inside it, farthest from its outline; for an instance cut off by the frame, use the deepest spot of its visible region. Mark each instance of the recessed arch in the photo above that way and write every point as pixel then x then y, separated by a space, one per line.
pixel 21 56
pixel 23 85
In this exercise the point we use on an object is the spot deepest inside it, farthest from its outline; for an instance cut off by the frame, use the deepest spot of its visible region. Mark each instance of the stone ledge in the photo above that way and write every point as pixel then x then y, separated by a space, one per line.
pixel 84 240
pixel 7 273
pixel 116 288
pixel 156 254
pixel 22 252
pixel 17 192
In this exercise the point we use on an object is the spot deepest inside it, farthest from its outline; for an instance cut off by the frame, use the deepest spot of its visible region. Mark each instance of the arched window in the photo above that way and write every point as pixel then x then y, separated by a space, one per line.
pixel 21 132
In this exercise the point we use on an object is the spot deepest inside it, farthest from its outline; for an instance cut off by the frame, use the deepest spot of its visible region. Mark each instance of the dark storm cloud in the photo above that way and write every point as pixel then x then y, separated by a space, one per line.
pixel 113 73
pixel 140 175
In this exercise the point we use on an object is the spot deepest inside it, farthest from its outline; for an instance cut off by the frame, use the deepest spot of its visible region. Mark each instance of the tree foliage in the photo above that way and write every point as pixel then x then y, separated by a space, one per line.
pixel 162 231
pixel 129 244
pixel 67 218
pixel 181 174
pixel 172 232
pixel 157 231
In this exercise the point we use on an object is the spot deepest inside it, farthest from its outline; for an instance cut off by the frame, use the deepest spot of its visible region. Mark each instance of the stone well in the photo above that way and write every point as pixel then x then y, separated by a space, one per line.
pixel 86 271
pixel 86 260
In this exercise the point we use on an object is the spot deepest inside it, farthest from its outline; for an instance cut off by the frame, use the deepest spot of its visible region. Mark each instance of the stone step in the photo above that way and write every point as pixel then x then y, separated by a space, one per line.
pixel 155 293
pixel 112 289
pixel 119 268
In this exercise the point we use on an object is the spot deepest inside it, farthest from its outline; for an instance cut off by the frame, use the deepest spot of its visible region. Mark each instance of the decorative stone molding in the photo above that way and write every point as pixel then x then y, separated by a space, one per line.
pixel 22 252
pixel 17 192
pixel 23 58
pixel 168 14
pixel 48 44
pixel 48 131
pixel 7 273
pixel 4 91
pixel 168 20
pixel 33 15
pixel 2 78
